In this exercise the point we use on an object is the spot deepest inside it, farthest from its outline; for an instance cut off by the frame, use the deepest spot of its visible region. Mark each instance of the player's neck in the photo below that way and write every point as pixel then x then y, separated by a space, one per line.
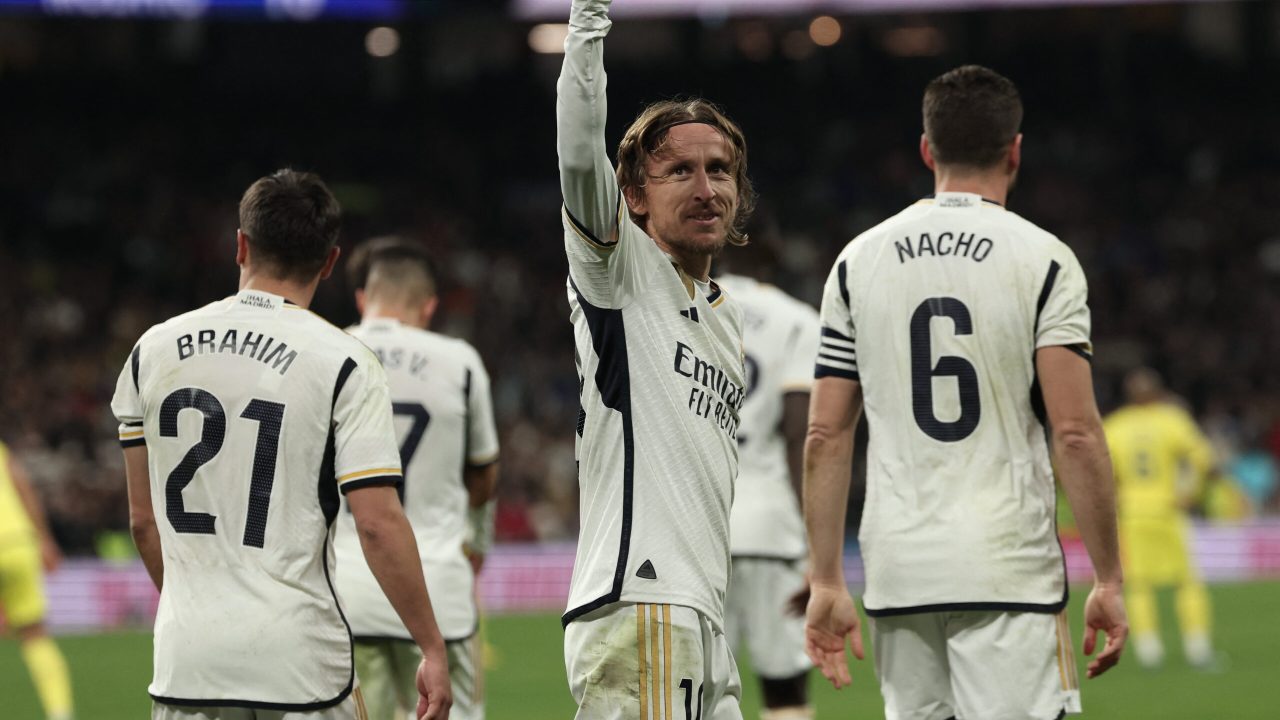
pixel 695 264
pixel 992 186
pixel 399 313
pixel 296 293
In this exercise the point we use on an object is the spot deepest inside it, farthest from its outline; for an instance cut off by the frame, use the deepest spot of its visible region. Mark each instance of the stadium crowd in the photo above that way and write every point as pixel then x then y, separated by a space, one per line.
pixel 124 158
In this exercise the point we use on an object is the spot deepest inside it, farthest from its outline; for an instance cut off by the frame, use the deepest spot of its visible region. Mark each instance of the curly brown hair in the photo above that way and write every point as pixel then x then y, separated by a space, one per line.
pixel 648 133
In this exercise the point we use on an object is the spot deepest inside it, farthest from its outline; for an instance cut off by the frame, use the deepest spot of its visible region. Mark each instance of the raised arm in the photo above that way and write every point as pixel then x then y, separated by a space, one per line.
pixel 587 179
pixel 1084 468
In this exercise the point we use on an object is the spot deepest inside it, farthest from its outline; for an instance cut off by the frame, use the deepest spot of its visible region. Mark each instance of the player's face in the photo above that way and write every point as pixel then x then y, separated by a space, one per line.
pixel 690 195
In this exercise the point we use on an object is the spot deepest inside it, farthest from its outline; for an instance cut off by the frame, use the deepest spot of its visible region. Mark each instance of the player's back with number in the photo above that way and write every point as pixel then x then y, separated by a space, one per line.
pixel 948 301
pixel 243 404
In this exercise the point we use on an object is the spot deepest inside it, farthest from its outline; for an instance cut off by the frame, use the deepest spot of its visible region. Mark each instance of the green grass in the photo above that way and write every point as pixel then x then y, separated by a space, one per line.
pixel 526 674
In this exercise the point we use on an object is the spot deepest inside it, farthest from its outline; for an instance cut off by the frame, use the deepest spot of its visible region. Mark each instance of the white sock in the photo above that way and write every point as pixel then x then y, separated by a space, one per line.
pixel 1198 649
pixel 1149 650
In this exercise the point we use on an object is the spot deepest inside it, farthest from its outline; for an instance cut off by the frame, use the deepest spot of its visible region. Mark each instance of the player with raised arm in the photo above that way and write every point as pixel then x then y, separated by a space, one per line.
pixel 965 330
pixel 449 452
pixel 242 422
pixel 27 547
pixel 766 530
pixel 1162 463
pixel 659 356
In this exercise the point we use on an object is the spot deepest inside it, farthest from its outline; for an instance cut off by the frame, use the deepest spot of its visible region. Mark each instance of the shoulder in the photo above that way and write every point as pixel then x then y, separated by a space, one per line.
pixel 179 323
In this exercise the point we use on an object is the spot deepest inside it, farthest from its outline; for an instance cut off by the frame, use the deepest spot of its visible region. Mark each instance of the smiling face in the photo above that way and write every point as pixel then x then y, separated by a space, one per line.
pixel 689 200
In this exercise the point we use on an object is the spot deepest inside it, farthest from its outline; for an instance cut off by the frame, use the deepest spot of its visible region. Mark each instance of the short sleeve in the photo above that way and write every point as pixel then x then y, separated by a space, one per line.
pixel 365 451
pixel 482 433
pixel 837 352
pixel 1062 311
pixel 801 349
pixel 126 404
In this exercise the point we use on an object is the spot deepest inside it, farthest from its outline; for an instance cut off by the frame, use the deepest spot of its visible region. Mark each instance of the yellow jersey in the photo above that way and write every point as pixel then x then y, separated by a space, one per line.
pixel 1160 458
pixel 15 526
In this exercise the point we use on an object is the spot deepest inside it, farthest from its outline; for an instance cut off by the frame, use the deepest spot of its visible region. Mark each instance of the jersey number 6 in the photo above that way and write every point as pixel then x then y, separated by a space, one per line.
pixel 923 372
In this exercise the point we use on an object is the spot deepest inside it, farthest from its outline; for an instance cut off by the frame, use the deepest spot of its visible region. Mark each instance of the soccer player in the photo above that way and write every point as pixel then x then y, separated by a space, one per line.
pixel 965 330
pixel 1162 460
pixel 449 452
pixel 242 422
pixel 659 357
pixel 766 530
pixel 26 545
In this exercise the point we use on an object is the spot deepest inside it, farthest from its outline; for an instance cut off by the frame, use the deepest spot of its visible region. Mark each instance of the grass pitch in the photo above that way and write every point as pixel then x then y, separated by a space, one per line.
pixel 526 672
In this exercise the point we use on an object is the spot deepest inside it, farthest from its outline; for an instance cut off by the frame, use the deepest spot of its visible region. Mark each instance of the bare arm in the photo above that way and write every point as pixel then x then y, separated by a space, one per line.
pixel 142 520
pixel 1084 467
pixel 481 482
pixel 30 499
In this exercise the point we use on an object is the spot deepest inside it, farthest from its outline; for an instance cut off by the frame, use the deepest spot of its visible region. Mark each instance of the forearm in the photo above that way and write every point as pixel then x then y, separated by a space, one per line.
pixel 392 554
pixel 146 537
pixel 828 459
pixel 586 175
pixel 1084 467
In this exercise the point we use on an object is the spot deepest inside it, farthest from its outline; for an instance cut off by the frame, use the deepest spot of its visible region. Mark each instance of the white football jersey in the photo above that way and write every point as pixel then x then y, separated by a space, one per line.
pixel 780 335
pixel 256 413
pixel 660 365
pixel 938 311
pixel 444 422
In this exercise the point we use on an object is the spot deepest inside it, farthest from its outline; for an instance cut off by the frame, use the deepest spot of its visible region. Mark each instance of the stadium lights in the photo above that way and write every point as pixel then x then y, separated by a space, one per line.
pixel 922 41
pixel 382 42
pixel 548 38
pixel 825 31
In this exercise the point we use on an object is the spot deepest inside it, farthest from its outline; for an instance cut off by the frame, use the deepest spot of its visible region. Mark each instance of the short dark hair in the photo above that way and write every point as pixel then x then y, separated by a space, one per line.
pixel 971 115
pixel 648 133
pixel 387 251
pixel 292 222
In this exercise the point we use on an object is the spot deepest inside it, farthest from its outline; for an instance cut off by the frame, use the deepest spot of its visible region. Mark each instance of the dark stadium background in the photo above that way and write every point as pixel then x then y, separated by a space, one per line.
pixel 1151 148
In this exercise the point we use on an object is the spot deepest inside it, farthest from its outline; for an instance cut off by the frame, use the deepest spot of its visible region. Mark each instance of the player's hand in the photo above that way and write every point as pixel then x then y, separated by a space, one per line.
pixel 435 695
pixel 830 621
pixel 50 555
pixel 1104 612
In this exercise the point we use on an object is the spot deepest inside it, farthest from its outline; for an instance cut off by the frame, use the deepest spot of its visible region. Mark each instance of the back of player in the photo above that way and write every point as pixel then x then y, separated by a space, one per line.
pixel 444 422
pixel 241 405
pixel 1161 460
pixel 940 309
pixel 780 338
pixel 945 322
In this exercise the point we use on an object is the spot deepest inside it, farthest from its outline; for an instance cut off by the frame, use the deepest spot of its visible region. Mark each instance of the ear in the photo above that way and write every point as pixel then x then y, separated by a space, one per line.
pixel 329 262
pixel 242 248
pixel 636 201
pixel 360 300
pixel 1015 154
pixel 429 307
pixel 926 154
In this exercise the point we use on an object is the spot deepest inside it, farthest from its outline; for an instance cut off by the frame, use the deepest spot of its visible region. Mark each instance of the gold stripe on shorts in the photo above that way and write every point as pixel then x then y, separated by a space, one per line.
pixel 1066 659
pixel 653 631
pixel 666 656
pixel 640 646
pixel 361 712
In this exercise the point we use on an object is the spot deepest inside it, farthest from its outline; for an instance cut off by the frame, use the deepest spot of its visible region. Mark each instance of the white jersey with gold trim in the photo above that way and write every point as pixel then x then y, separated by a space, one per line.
pixel 938 312
pixel 780 335
pixel 256 414
pixel 660 365
pixel 444 422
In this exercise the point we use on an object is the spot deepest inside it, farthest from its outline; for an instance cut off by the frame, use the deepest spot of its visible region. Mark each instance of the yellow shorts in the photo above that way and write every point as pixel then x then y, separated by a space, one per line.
pixel 1156 551
pixel 21 585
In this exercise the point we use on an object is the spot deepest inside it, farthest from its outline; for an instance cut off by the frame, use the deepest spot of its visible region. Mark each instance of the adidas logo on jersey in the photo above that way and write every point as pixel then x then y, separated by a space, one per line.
pixel 647 572
pixel 691 313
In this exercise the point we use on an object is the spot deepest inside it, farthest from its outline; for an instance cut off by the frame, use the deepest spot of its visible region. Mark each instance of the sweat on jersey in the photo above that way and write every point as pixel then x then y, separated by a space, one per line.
pixel 938 312
pixel 660 364
pixel 255 413
pixel 444 422
pixel 780 337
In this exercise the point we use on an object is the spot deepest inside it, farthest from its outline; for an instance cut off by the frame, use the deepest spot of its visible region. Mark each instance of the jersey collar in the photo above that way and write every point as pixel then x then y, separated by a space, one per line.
pixel 958 199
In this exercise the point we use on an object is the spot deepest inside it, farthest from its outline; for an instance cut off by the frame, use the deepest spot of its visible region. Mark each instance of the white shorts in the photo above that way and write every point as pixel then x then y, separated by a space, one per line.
pixel 388 672
pixel 351 708
pixel 975 665
pixel 756 616
pixel 630 661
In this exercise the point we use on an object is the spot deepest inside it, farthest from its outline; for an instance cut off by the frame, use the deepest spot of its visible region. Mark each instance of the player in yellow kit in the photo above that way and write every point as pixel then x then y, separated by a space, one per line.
pixel 1161 461
pixel 25 543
